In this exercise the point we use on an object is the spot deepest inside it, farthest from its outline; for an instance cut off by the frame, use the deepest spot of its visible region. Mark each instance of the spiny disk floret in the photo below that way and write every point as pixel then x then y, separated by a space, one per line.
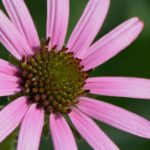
pixel 52 79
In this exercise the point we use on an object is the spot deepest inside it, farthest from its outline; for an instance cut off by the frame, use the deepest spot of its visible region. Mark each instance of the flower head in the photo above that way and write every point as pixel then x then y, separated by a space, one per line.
pixel 51 79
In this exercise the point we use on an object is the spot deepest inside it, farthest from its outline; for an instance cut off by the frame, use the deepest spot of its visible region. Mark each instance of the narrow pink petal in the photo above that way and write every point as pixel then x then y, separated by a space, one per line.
pixel 8 77
pixel 5 41
pixel 31 129
pixel 57 21
pixel 8 92
pixel 21 18
pixel 12 39
pixel 119 86
pixel 88 26
pixel 9 84
pixel 7 68
pixel 112 43
pixel 11 116
pixel 62 136
pixel 91 132
pixel 115 116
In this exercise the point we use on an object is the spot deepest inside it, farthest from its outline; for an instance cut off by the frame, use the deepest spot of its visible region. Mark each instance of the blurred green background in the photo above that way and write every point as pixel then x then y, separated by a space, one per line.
pixel 134 61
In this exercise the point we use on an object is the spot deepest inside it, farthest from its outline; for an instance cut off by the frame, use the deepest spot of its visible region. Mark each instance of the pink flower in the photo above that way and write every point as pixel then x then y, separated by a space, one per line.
pixel 52 79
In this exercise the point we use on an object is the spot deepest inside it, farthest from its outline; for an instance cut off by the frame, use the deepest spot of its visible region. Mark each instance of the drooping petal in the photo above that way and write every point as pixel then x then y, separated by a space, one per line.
pixel 11 116
pixel 91 132
pixel 7 68
pixel 21 18
pixel 112 43
pixel 12 39
pixel 61 133
pixel 119 86
pixel 57 21
pixel 31 129
pixel 115 116
pixel 88 26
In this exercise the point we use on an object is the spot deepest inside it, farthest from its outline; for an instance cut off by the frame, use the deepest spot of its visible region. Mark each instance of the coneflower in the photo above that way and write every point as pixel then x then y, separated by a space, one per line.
pixel 51 79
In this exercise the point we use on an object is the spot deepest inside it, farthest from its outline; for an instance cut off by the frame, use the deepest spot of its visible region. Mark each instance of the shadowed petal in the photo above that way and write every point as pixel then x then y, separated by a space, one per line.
pixel 11 116
pixel 88 26
pixel 91 132
pixel 57 21
pixel 21 18
pixel 112 43
pixel 12 39
pixel 115 116
pixel 31 129
pixel 61 133
pixel 119 86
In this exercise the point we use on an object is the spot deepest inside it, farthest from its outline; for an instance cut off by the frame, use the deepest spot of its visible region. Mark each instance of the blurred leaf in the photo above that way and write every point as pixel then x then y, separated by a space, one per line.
pixel 10 142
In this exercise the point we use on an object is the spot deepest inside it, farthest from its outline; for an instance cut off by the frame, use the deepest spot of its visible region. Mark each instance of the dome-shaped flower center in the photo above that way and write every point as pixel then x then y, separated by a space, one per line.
pixel 52 79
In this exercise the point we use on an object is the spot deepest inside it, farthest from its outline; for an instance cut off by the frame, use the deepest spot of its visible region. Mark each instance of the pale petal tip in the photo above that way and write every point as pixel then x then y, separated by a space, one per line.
pixel 138 20
pixel 142 24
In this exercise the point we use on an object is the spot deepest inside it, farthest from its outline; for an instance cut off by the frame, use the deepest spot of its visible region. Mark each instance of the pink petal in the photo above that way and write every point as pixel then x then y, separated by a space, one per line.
pixel 61 133
pixel 91 132
pixel 8 77
pixel 12 39
pixel 31 129
pixel 88 26
pixel 119 86
pixel 11 116
pixel 57 21
pixel 6 84
pixel 9 46
pixel 9 85
pixel 21 18
pixel 115 116
pixel 7 68
pixel 112 43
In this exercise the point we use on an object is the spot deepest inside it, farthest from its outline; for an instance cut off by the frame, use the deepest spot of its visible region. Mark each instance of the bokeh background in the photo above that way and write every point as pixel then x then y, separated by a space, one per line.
pixel 134 61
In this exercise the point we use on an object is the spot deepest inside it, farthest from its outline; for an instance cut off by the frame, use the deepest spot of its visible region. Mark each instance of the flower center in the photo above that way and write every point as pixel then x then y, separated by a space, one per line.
pixel 52 79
